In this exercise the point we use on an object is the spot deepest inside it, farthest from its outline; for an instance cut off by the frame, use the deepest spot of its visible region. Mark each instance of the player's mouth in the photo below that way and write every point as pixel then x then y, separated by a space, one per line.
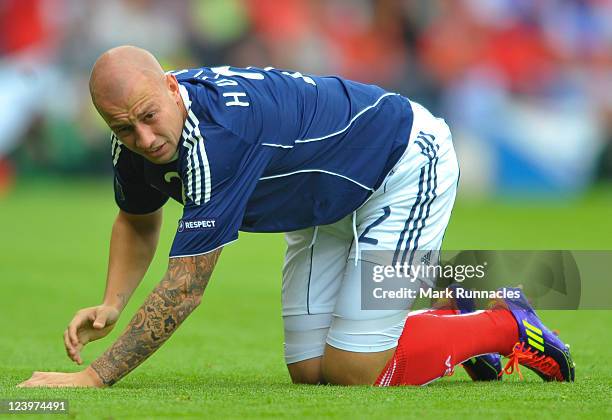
pixel 158 151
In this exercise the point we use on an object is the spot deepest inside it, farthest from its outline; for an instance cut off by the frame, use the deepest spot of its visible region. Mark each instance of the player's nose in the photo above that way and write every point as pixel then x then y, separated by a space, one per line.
pixel 145 138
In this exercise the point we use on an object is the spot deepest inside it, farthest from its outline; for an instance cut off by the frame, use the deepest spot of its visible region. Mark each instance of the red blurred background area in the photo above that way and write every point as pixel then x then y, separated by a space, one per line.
pixel 525 85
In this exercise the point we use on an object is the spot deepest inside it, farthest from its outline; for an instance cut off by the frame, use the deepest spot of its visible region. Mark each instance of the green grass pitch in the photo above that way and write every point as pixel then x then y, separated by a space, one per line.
pixel 226 360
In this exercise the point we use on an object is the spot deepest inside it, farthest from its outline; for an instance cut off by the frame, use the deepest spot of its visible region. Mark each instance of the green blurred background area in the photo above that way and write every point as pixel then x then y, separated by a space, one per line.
pixel 227 359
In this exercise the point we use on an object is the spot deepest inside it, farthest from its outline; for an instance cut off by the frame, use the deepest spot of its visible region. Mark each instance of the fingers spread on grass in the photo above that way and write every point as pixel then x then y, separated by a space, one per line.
pixel 53 379
pixel 31 380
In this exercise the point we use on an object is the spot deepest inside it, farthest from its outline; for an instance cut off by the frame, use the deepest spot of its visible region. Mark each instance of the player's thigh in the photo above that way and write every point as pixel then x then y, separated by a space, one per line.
pixel 409 212
pixel 360 340
pixel 413 207
pixel 312 273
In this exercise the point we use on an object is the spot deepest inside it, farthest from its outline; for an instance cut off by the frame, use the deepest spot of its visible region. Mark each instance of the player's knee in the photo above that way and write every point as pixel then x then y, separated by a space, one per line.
pixel 340 367
pixel 306 372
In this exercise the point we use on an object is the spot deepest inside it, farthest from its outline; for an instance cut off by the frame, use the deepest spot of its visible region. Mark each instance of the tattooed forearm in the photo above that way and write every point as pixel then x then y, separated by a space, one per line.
pixel 176 296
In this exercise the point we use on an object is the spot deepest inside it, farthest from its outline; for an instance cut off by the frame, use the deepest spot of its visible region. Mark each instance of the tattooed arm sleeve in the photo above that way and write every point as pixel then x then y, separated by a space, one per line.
pixel 170 303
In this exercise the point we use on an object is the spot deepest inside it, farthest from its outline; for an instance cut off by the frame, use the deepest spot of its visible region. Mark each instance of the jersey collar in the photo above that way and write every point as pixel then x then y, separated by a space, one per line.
pixel 185 96
pixel 187 102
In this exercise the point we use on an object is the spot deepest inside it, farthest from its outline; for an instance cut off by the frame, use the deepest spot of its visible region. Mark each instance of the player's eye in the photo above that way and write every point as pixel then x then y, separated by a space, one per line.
pixel 150 116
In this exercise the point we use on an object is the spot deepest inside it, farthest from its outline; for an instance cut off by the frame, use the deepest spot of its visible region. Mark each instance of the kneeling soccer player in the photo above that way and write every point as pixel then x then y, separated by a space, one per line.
pixel 343 167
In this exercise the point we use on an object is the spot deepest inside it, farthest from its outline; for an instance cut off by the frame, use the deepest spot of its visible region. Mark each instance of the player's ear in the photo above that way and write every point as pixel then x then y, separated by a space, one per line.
pixel 172 85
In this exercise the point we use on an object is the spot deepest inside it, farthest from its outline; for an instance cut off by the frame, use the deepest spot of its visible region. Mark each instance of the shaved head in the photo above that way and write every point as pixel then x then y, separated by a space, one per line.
pixel 138 101
pixel 115 70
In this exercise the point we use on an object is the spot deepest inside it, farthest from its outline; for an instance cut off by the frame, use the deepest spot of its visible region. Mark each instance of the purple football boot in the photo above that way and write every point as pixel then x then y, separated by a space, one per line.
pixel 538 349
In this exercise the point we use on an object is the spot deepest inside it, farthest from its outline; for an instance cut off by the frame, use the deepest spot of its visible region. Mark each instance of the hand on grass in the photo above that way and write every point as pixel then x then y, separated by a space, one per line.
pixel 88 324
pixel 87 378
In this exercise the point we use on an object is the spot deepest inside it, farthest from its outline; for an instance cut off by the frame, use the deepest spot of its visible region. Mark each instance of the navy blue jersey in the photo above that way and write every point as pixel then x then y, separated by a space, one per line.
pixel 266 150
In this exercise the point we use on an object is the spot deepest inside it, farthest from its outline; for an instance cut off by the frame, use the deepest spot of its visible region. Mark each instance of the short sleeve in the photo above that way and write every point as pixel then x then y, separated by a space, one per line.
pixel 132 193
pixel 219 171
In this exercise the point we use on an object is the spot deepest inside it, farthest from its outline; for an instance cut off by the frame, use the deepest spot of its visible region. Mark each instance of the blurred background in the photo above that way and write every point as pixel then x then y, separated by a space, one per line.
pixel 526 85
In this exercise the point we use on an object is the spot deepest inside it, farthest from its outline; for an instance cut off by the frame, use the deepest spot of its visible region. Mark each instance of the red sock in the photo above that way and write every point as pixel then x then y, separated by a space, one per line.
pixel 431 345
pixel 441 312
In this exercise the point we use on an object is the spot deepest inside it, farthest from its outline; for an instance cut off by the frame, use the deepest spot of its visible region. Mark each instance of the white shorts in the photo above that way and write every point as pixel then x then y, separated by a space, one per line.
pixel 321 298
